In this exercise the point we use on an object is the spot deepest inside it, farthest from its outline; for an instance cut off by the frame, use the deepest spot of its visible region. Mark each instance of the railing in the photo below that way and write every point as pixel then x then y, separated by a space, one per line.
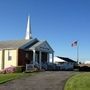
pixel 29 67
pixel 36 65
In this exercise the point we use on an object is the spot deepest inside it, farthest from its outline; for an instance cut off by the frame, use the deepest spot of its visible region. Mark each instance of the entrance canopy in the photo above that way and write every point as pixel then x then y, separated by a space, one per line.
pixel 42 46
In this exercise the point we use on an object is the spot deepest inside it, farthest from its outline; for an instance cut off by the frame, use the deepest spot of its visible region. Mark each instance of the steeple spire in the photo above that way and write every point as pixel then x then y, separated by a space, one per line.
pixel 28 30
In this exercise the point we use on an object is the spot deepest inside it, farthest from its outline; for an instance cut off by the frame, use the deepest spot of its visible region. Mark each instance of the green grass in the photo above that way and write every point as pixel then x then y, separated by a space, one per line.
pixel 79 81
pixel 8 77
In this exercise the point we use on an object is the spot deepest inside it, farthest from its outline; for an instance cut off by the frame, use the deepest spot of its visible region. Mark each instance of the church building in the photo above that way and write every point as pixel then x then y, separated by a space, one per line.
pixel 26 51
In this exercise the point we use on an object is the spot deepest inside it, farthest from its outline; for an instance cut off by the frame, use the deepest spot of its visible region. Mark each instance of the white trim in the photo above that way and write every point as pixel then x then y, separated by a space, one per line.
pixel 33 57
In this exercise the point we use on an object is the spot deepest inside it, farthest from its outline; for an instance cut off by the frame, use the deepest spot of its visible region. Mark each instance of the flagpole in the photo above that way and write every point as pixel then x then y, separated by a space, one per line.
pixel 75 44
pixel 77 53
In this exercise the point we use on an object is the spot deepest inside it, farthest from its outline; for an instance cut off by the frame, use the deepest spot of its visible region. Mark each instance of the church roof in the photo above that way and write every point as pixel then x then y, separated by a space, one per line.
pixel 14 43
pixel 42 46
pixel 66 59
pixel 37 44
pixel 32 44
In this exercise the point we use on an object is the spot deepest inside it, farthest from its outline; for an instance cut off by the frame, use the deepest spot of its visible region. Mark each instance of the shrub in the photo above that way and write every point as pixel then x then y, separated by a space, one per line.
pixel 10 69
pixel 84 68
pixel 19 69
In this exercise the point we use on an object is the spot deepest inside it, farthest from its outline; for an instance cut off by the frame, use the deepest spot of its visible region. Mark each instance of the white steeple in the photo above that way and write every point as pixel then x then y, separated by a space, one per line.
pixel 28 30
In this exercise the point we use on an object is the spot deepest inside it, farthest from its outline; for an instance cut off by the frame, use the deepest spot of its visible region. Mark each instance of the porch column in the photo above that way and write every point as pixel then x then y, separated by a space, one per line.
pixel 52 57
pixel 47 57
pixel 33 57
pixel 40 63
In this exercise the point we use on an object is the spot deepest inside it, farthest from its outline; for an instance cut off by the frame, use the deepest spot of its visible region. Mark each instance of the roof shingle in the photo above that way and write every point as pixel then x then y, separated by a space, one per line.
pixel 13 43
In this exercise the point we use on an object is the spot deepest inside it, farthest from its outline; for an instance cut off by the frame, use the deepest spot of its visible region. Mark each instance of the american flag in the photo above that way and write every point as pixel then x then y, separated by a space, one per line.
pixel 74 44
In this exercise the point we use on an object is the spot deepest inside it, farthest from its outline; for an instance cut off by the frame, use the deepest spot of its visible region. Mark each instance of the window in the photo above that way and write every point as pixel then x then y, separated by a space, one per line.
pixel 9 55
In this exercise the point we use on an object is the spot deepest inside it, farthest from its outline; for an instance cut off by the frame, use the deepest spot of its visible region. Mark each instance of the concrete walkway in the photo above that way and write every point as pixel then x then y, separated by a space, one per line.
pixel 50 80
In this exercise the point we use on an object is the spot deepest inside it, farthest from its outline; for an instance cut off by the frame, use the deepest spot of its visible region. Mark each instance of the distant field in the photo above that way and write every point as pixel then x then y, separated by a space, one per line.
pixel 80 81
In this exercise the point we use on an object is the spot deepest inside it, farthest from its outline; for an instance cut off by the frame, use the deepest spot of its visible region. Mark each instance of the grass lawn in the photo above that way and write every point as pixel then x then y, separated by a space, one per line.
pixel 8 77
pixel 79 81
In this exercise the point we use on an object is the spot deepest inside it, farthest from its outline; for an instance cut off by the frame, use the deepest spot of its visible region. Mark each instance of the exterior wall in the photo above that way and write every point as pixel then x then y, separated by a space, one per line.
pixel 13 55
pixel 1 58
pixel 29 56
pixel 24 57
pixel 21 57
